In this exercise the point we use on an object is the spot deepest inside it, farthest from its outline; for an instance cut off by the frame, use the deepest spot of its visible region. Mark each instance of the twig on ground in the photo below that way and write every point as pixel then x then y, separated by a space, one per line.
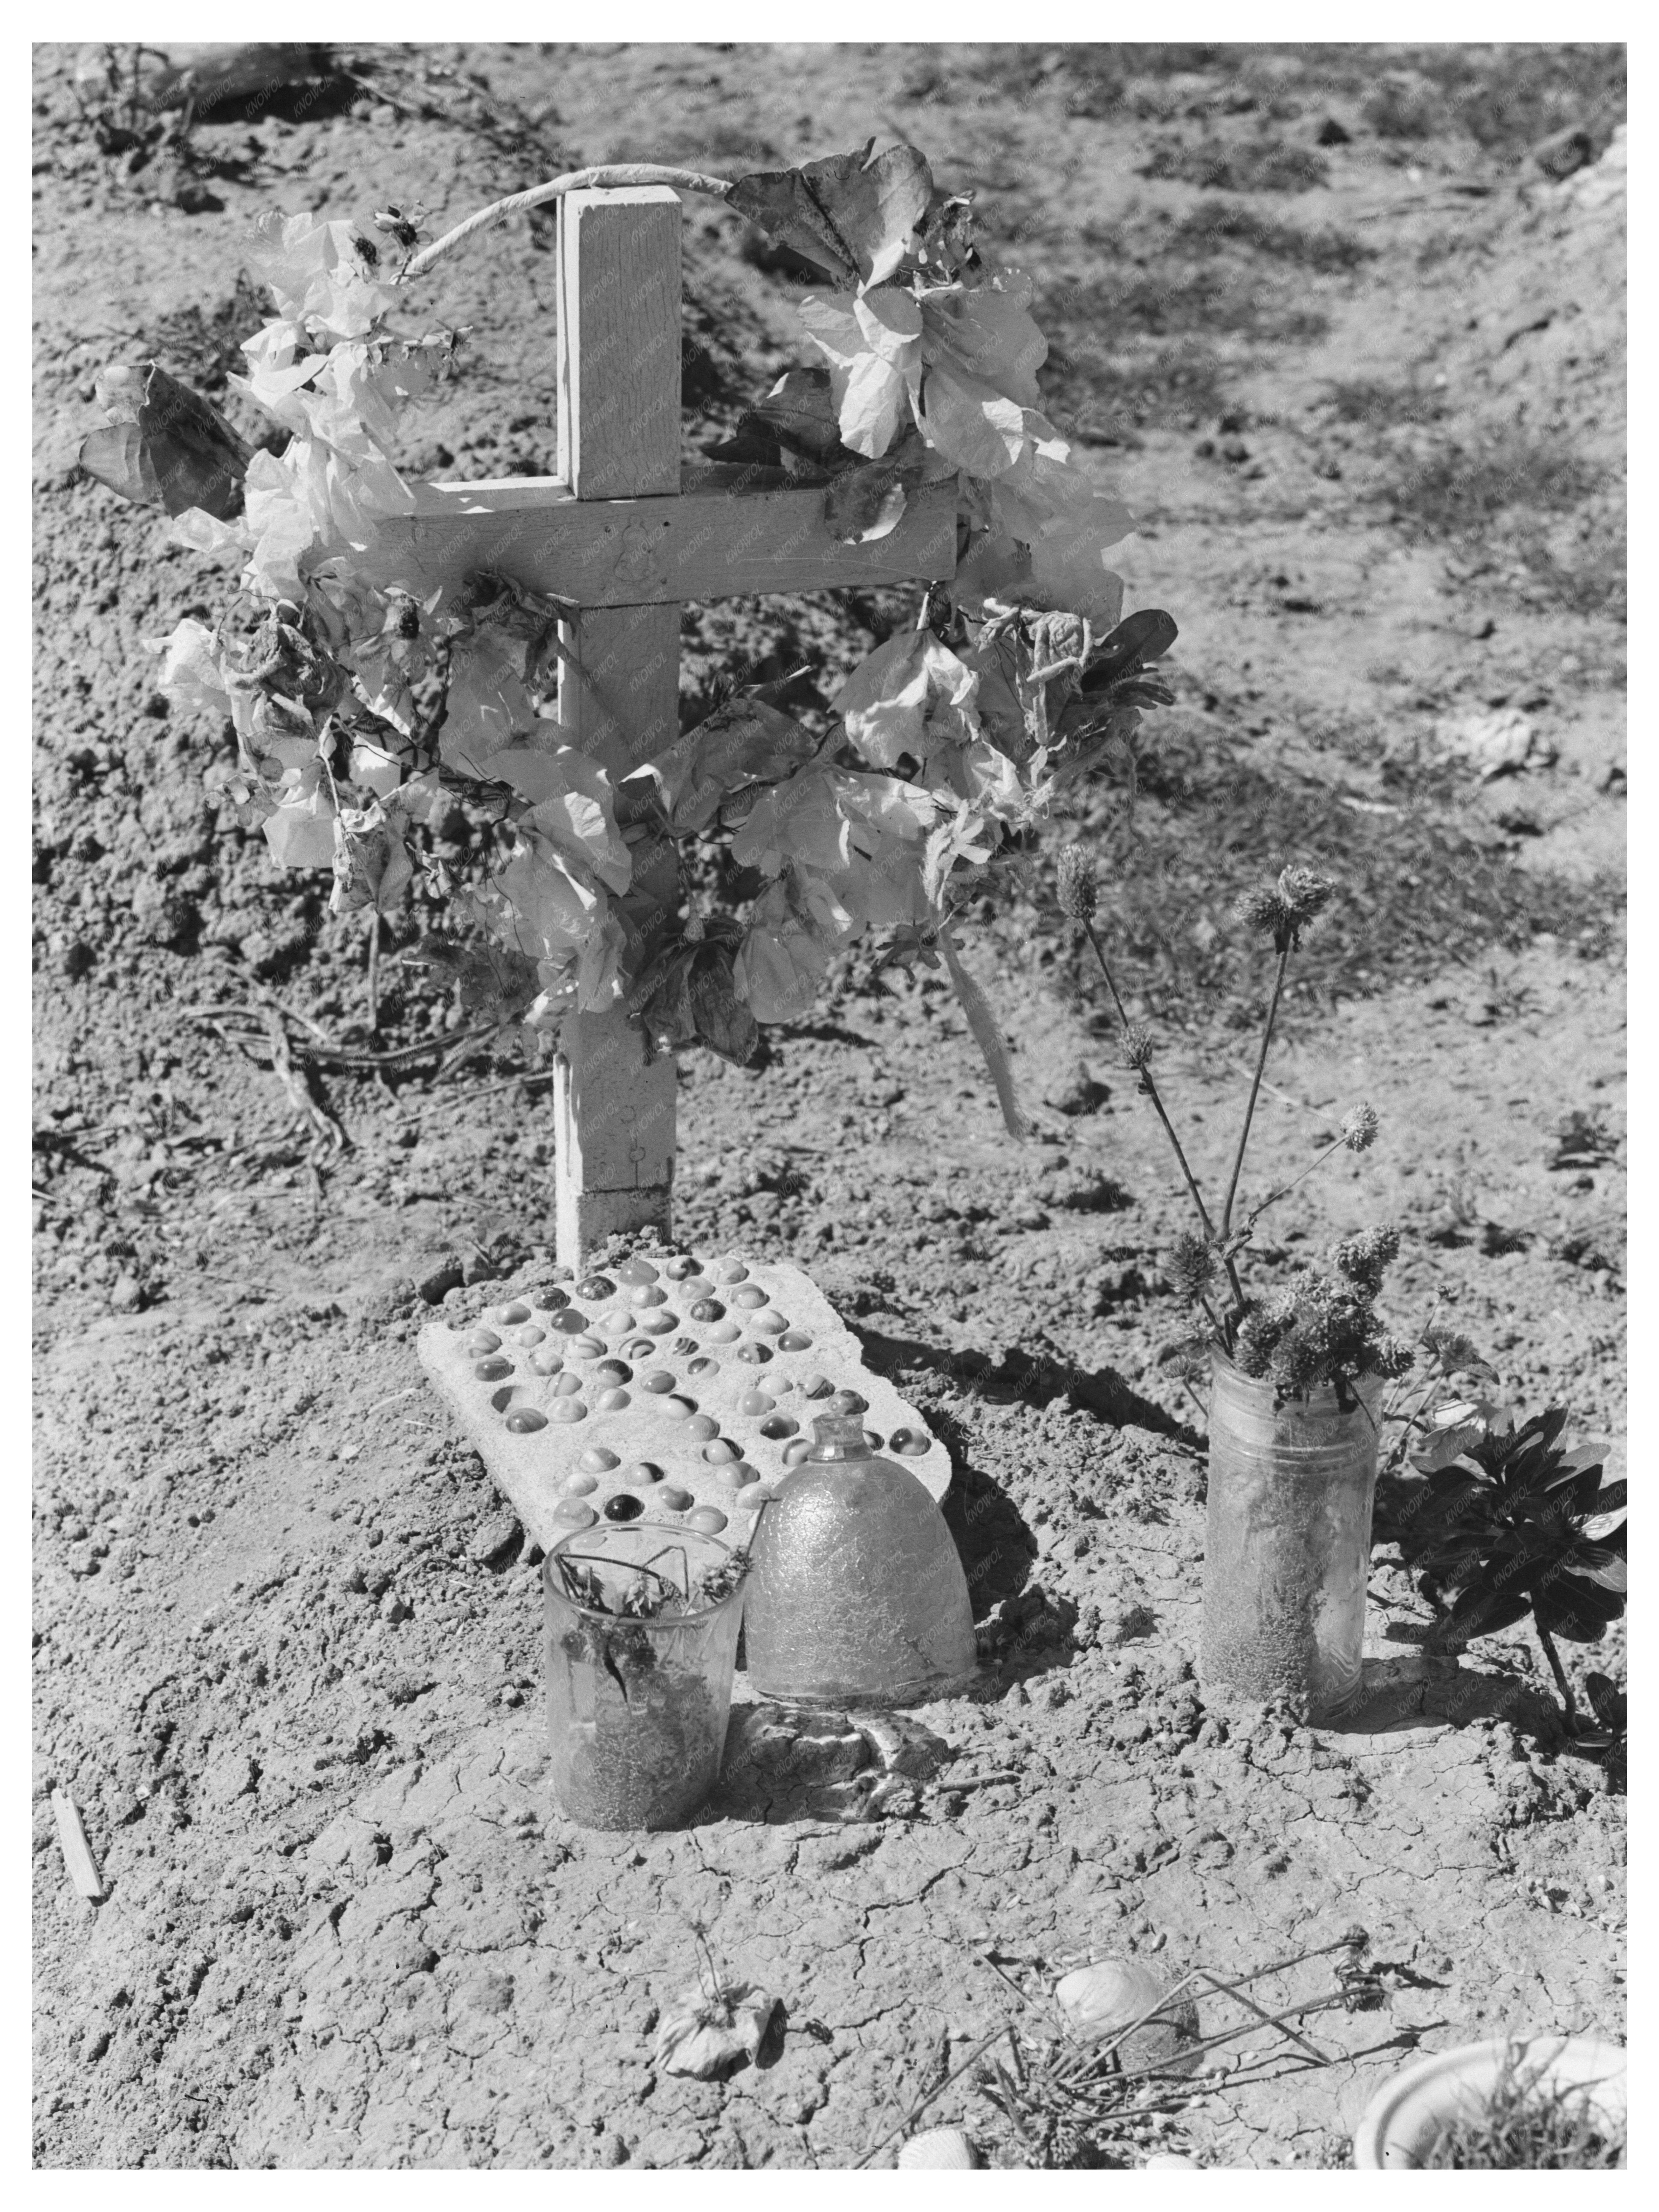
pixel 466 1098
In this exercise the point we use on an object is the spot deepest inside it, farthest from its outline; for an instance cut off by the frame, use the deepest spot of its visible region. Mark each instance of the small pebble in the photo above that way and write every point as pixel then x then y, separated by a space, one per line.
pixel 566 1385
pixel 580 1485
pixel 658 1379
pixel 756 1355
pixel 794 1340
pixel 649 1294
pixel 721 1451
pixel 778 1424
pixel 597 1287
pixel 707 1520
pixel 568 1409
pixel 702 1426
pixel 703 1365
pixel 612 1402
pixel 570 1322
pixel 637 1271
pixel 575 1513
pixel 546 1363
pixel 517 1311
pixel 622 1507
pixel 769 1324
pixel 596 1460
pixel 491 1371
pixel 704 1309
pixel 524 1420
pixel 672 1499
pixel 483 1340
pixel 645 1472
pixel 750 1295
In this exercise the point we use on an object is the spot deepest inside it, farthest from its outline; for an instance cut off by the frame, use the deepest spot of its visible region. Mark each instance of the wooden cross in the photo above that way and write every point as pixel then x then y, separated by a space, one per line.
pixel 626 535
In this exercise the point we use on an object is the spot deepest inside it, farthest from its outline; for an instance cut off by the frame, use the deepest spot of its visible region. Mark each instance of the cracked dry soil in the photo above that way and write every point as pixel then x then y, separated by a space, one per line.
pixel 286 1636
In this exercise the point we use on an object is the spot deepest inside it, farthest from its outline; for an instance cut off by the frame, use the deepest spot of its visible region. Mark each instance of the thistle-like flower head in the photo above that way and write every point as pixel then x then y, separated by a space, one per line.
pixel 1283 910
pixel 1364 1257
pixel 1359 1127
pixel 1137 1046
pixel 1077 885
pixel 1191 1266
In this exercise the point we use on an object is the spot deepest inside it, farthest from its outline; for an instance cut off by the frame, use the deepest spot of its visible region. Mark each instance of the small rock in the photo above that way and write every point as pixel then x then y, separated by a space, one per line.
pixel 1563 153
pixel 612 2150
pixel 127 1294
pixel 1081 1093
pixel 495 1538
pixel 439 1281
pixel 1333 133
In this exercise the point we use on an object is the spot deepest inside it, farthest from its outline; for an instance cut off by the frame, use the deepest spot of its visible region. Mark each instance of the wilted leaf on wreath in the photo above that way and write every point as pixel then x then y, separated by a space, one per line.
pixel 742 743
pixel 868 501
pixel 167 447
pixel 371 867
pixel 494 980
pixel 850 215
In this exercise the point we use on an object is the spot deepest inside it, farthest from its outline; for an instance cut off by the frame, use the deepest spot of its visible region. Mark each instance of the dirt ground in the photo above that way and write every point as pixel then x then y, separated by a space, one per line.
pixel 1357 359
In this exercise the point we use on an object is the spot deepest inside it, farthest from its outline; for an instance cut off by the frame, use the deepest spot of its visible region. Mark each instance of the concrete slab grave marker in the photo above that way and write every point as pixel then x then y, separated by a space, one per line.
pixel 626 535
pixel 675 1387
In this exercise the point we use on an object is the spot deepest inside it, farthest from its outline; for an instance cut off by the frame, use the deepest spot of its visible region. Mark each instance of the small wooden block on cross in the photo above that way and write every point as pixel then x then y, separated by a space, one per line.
pixel 626 535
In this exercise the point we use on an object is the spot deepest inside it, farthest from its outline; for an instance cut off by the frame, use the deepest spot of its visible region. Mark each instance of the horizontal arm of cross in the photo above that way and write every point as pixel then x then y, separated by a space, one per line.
pixel 720 538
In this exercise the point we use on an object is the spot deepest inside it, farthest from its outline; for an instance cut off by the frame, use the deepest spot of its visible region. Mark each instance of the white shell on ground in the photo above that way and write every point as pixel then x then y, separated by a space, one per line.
pixel 1103 2000
pixel 938 2147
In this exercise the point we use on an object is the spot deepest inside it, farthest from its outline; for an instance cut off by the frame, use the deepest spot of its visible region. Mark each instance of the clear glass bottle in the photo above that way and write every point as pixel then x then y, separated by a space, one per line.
pixel 856 1595
pixel 1288 1542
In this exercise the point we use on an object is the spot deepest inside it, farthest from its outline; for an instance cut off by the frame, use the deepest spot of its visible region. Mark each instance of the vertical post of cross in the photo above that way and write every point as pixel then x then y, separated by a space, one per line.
pixel 619 437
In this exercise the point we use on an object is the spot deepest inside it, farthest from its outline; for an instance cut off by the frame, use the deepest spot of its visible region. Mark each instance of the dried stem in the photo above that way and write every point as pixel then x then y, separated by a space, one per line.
pixel 374 971
pixel 1284 1189
pixel 1255 1086
pixel 607 176
pixel 1149 1086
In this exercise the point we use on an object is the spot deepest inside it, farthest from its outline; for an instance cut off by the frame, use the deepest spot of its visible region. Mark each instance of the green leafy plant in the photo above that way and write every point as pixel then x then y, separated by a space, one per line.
pixel 1322 1329
pixel 368 691
pixel 1500 1533
pixel 1529 2121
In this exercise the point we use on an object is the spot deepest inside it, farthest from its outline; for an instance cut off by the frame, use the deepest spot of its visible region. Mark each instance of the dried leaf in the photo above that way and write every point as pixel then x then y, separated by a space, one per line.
pixel 989 1039
pixel 167 447
pixel 850 215
pixel 742 742
pixel 711 2026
